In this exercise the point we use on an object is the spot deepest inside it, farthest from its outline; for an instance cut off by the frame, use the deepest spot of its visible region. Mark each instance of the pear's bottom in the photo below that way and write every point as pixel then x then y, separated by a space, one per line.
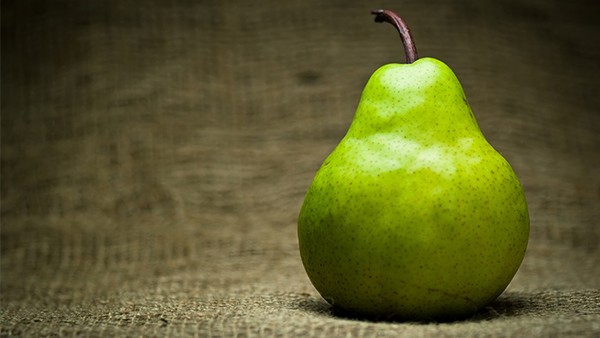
pixel 436 305
pixel 401 300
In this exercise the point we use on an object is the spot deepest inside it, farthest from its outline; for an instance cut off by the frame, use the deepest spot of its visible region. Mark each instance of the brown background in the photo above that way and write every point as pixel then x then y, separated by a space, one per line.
pixel 155 157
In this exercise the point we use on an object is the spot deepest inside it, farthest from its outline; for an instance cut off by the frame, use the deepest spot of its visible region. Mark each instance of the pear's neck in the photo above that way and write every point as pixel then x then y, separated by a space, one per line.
pixel 422 123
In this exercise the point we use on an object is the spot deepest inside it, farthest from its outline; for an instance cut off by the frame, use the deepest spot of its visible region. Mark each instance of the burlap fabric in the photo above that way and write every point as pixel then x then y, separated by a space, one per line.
pixel 155 156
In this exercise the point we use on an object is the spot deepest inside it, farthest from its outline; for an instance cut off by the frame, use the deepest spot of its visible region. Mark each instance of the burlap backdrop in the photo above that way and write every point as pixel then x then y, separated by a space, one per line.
pixel 155 157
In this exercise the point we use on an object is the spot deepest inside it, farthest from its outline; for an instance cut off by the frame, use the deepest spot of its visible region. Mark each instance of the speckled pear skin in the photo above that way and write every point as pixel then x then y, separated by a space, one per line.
pixel 414 215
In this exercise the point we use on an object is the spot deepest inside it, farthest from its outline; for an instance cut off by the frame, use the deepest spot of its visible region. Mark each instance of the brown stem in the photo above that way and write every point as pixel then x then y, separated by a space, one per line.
pixel 385 15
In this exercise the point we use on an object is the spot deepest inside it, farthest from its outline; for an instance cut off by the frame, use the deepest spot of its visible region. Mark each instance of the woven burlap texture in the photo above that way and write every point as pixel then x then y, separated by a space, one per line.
pixel 155 157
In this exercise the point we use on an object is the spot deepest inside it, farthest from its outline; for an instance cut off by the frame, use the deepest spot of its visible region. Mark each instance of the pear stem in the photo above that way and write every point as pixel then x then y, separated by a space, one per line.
pixel 385 15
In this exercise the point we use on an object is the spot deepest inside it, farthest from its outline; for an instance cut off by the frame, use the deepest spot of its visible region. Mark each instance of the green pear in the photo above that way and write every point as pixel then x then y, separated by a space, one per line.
pixel 413 216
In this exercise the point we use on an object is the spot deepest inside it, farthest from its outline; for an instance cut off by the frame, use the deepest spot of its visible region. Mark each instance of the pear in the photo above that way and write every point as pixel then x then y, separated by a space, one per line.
pixel 414 215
